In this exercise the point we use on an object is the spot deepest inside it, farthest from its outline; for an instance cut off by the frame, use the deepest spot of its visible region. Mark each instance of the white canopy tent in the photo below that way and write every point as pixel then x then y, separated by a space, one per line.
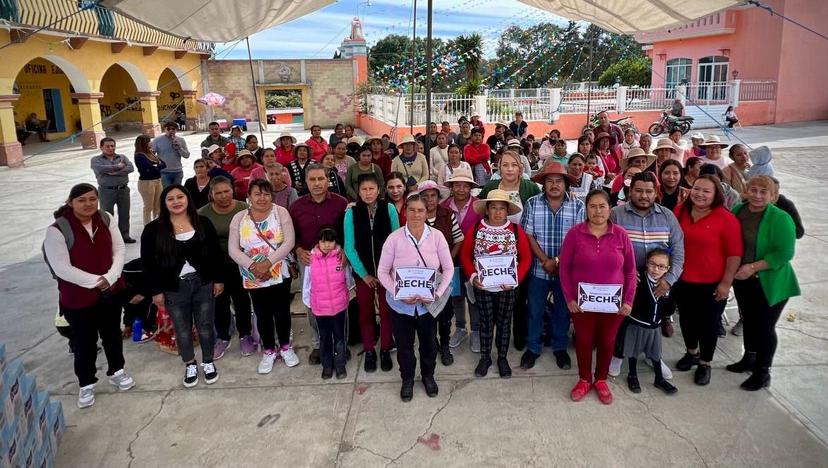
pixel 230 20
pixel 632 16
pixel 214 20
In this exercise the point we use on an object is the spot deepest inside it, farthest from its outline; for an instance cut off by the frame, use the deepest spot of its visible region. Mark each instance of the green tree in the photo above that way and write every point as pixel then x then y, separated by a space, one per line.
pixel 628 72
pixel 470 50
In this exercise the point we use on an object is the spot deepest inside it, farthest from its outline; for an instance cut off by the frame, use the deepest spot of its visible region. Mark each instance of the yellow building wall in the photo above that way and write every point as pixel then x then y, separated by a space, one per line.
pixel 170 96
pixel 36 76
pixel 119 93
pixel 86 66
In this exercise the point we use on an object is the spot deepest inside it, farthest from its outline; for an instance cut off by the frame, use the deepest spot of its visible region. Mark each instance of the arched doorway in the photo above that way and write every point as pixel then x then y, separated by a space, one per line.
pixel 171 100
pixel 120 104
pixel 45 88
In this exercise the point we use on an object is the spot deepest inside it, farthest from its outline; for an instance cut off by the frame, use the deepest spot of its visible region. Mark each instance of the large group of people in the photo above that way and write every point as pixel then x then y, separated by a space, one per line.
pixel 443 237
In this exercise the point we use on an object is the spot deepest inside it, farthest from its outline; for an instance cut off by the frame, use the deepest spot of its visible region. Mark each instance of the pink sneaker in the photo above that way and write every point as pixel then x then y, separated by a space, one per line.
pixel 248 345
pixel 580 390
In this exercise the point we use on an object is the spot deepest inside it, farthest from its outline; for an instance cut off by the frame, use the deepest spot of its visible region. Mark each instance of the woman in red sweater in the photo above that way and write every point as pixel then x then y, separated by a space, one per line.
pixel 598 276
pixel 477 154
pixel 495 235
pixel 712 254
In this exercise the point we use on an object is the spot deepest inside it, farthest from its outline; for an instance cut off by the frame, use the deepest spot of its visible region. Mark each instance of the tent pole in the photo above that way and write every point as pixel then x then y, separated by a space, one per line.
pixel 429 83
pixel 255 92
pixel 413 70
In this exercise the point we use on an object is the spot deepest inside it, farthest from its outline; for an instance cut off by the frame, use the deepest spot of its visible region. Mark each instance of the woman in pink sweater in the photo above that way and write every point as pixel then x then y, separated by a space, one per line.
pixel 415 245
pixel 325 291
pixel 598 279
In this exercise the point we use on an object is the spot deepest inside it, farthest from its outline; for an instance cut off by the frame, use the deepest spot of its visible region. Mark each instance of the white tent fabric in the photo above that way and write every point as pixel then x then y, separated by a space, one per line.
pixel 632 16
pixel 214 20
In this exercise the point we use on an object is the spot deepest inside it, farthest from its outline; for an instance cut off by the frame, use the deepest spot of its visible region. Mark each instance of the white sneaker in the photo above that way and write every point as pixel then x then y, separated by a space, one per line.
pixel 86 396
pixel 665 371
pixel 122 380
pixel 290 357
pixel 615 366
pixel 210 372
pixel 266 364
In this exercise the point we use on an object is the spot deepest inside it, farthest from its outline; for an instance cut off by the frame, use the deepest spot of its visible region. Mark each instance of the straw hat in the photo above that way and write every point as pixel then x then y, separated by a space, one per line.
pixel 496 195
pixel 408 139
pixel 713 140
pixel 442 192
pixel 301 145
pixel 637 153
pixel 601 135
pixel 501 124
pixel 212 149
pixel 697 136
pixel 514 142
pixel 245 153
pixel 354 139
pixel 553 168
pixel 287 135
pixel 461 176
pixel 666 143
pixel 370 139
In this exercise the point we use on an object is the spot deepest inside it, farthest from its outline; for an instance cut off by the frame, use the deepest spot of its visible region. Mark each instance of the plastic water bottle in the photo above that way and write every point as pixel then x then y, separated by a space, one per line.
pixel 137 329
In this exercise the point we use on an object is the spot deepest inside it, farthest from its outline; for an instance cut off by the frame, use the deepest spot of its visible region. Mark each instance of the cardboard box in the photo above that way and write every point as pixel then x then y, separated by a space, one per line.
pixel 2 357
pixel 10 393
pixel 56 425
pixel 24 405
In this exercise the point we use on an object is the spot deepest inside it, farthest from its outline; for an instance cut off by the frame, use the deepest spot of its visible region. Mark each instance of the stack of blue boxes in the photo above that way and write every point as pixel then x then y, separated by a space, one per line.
pixel 31 425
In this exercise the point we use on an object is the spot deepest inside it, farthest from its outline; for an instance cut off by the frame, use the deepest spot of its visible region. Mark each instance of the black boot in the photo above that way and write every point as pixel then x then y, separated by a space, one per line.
pixel 430 386
pixel 370 361
pixel 483 366
pixel 745 364
pixel 758 380
pixel 407 390
pixel 445 355
pixel 386 364
pixel 503 368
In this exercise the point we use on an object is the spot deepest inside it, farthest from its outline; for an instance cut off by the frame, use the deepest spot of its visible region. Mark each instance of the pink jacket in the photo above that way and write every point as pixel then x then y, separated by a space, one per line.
pixel 328 283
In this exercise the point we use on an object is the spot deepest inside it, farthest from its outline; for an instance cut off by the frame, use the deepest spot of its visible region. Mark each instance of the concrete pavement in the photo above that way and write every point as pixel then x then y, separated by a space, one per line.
pixel 292 417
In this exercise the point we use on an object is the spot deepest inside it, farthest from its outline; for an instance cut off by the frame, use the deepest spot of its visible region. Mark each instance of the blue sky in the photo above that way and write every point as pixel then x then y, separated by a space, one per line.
pixel 319 34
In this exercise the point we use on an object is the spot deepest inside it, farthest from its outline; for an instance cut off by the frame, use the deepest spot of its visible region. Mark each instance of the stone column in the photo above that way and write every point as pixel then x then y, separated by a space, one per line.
pixel 11 151
pixel 90 115
pixel 149 113
pixel 190 109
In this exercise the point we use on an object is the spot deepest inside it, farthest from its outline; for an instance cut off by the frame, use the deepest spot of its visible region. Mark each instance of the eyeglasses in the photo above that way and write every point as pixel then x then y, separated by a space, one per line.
pixel 658 267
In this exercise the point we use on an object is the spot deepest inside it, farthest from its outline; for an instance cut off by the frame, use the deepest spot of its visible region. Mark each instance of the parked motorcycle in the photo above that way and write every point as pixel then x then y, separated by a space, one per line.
pixel 668 122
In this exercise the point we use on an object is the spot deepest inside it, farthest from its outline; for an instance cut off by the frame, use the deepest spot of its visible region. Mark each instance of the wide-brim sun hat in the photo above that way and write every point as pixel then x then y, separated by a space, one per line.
pixel 212 149
pixel 442 191
pixel 301 145
pixel 287 135
pixel 553 168
pixel 713 140
pixel 697 136
pixel 637 153
pixel 496 195
pixel 666 143
pixel 370 139
pixel 407 139
pixel 245 154
pixel 461 176
pixel 514 142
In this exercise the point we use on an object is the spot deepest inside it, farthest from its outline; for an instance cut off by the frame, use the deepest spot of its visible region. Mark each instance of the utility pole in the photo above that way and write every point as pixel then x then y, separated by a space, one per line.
pixel 589 82
pixel 413 70
pixel 429 67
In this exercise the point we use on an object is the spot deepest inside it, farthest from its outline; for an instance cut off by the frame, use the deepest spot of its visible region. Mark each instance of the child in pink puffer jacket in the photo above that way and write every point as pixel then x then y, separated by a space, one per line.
pixel 325 291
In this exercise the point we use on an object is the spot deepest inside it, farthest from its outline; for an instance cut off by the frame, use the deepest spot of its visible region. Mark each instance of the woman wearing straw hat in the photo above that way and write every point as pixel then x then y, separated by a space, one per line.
pixel 415 245
pixel 367 225
pixel 410 163
pixel 241 174
pixel 664 150
pixel 284 148
pixel 460 203
pixel 494 236
pixel 636 157
pixel 443 220
pixel 713 151
pixel 608 154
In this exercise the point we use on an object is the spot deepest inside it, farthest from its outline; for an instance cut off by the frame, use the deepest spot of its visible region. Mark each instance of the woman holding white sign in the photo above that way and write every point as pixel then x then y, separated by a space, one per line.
pixel 416 271
pixel 598 278
pixel 496 257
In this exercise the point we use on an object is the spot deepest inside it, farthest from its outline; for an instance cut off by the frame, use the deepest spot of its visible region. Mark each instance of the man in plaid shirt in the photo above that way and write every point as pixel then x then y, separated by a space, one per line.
pixel 547 217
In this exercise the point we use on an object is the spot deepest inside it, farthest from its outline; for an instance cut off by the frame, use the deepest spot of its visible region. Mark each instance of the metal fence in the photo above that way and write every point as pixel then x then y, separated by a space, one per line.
pixel 539 104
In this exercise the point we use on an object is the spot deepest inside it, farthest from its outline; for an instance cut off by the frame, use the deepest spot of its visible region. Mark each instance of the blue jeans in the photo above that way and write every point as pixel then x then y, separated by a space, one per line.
pixel 538 308
pixel 170 178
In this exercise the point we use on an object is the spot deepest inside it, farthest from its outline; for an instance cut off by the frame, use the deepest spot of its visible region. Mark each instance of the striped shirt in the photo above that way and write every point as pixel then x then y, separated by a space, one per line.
pixel 658 229
pixel 549 227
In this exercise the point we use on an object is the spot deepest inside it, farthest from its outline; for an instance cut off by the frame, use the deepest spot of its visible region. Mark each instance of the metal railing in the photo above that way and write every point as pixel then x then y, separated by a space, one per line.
pixel 757 90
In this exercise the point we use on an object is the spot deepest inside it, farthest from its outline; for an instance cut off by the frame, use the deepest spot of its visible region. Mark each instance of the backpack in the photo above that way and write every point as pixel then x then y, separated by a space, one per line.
pixel 66 229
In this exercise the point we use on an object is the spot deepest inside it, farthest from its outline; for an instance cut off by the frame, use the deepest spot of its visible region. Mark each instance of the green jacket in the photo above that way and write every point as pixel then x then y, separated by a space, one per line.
pixel 775 245
pixel 527 189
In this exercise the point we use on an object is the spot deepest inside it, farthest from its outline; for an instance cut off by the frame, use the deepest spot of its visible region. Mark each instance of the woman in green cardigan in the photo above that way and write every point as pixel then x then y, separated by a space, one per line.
pixel 766 280
pixel 512 182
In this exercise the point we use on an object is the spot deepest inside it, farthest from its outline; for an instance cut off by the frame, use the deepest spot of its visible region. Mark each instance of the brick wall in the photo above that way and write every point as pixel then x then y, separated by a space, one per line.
pixel 329 83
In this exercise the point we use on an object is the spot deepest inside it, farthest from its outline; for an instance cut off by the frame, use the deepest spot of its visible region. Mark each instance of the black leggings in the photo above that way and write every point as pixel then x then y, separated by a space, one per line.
pixel 272 307
pixel 758 319
pixel 443 329
pixel 234 291
pixel 699 316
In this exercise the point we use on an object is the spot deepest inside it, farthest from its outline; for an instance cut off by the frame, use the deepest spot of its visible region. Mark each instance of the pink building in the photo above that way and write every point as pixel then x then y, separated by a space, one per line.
pixel 769 57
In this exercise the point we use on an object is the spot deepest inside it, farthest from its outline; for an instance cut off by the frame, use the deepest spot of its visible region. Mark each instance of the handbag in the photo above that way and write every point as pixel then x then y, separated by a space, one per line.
pixel 439 303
